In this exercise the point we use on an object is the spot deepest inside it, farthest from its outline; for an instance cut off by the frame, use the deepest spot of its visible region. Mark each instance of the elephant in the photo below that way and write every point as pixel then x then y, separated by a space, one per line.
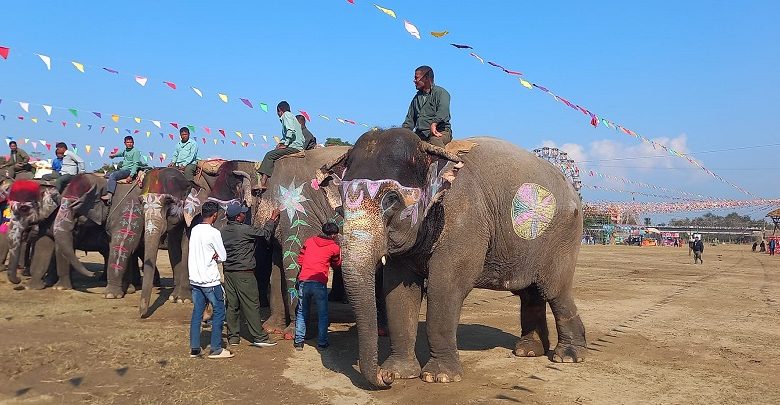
pixel 294 191
pixel 493 216
pixel 34 206
pixel 117 229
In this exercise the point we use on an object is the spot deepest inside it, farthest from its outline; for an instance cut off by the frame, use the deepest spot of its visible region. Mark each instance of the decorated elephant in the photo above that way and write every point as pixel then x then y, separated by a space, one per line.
pixel 296 193
pixel 118 229
pixel 33 208
pixel 482 213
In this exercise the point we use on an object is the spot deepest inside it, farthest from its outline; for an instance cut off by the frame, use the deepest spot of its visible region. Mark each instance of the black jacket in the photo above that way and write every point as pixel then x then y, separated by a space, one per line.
pixel 240 240
pixel 698 246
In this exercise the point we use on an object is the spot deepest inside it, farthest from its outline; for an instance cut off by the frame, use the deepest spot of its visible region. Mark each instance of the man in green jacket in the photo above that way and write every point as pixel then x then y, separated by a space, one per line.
pixel 18 162
pixel 130 165
pixel 185 157
pixel 291 142
pixel 241 293
pixel 429 111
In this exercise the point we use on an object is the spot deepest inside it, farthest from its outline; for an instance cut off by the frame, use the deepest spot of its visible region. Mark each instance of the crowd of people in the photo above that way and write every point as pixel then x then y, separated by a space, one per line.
pixel 233 292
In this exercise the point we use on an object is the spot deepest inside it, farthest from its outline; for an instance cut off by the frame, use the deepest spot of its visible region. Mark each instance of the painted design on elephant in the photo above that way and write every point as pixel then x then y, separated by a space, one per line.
pixel 533 208
pixel 192 202
pixel 290 199
pixel 223 203
pixel 64 213
pixel 5 219
pixel 153 204
pixel 354 198
pixel 125 235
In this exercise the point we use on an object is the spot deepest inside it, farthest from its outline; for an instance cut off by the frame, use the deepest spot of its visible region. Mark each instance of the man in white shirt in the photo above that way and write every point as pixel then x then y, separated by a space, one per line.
pixel 206 252
pixel 72 164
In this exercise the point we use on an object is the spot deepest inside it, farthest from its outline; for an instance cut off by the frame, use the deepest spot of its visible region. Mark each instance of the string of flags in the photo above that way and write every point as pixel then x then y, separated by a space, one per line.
pixel 608 207
pixel 593 173
pixel 594 119
pixel 142 80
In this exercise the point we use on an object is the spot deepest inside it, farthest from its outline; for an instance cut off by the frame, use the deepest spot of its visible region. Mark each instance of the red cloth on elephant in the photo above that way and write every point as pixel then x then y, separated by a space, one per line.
pixel 24 191
pixel 317 256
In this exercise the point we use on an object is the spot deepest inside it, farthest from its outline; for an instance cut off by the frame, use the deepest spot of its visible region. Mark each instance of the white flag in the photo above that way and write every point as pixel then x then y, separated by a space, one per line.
pixel 156 123
pixel 101 150
pixel 46 60
pixel 197 91
pixel 25 106
pixel 47 108
pixel 141 80
pixel 411 29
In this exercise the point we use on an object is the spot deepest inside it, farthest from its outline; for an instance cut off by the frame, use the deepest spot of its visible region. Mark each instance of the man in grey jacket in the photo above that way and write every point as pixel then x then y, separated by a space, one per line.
pixel 241 292
pixel 72 164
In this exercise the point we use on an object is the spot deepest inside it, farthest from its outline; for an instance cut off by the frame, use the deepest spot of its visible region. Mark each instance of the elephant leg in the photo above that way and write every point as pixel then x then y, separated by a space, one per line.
pixel 403 290
pixel 276 294
pixel 534 338
pixel 178 248
pixel 26 248
pixel 571 332
pixel 41 255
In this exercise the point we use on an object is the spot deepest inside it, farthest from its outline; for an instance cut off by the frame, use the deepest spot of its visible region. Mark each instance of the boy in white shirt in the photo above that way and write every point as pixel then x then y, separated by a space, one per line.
pixel 206 251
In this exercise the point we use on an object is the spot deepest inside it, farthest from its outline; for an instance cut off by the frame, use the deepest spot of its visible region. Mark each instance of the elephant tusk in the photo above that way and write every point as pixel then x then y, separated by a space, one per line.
pixel 384 260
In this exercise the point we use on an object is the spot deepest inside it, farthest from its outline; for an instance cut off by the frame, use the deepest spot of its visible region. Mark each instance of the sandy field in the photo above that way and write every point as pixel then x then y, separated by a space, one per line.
pixel 659 328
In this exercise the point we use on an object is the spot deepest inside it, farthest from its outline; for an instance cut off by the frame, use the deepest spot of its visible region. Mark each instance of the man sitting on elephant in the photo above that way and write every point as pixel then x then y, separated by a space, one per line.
pixel 71 164
pixel 429 111
pixel 130 165
pixel 291 142
pixel 18 162
pixel 185 157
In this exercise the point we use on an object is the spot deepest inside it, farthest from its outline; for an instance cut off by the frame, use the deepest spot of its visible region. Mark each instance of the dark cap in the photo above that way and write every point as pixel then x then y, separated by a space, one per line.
pixel 233 209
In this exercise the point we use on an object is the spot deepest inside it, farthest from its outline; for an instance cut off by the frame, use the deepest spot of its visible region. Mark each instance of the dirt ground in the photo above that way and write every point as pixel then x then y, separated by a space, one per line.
pixel 659 328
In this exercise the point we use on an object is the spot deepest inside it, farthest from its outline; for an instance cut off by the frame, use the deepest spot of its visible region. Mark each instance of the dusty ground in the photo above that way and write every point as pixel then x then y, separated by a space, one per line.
pixel 659 329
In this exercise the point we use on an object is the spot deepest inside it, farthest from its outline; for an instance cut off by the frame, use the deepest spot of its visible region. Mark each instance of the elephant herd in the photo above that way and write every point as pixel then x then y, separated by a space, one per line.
pixel 434 222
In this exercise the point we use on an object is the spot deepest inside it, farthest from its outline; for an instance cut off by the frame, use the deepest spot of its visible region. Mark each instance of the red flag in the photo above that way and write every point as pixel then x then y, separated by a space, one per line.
pixel 207 129
pixel 233 142
pixel 171 85
pixel 351 1
pixel 594 121
pixel 351 122
pixel 305 114
pixel 170 136
pixel 222 131
pixel 4 52
pixel 136 131
pixel 175 125
pixel 48 146
pixel 64 123
pixel 20 117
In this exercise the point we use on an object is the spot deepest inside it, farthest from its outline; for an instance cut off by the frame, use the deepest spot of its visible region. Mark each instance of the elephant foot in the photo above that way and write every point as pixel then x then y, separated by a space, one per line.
pixel 131 289
pixel 36 286
pixel 567 353
pixel 402 368
pixel 530 346
pixel 14 279
pixel 113 293
pixel 62 286
pixel 25 272
pixel 442 371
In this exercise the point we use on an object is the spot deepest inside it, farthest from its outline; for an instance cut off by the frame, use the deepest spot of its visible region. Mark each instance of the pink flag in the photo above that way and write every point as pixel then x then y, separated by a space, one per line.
pixel 4 52
pixel 305 114
pixel 175 125
pixel 171 85
pixel 207 129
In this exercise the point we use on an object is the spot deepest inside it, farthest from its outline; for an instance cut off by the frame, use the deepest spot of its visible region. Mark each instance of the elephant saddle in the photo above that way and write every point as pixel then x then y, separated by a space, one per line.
pixel 210 167
pixel 460 147
pixel 300 154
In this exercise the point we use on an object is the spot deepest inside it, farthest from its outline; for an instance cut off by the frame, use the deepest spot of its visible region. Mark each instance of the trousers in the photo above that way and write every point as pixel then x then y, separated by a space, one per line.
pixel 242 298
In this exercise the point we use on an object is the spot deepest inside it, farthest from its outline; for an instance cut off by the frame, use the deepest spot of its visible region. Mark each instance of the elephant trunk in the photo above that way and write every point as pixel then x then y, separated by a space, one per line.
pixel 361 255
pixel 15 231
pixel 155 224
pixel 63 236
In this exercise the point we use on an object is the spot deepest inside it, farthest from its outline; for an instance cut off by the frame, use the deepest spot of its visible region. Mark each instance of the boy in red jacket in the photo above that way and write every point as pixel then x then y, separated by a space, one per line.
pixel 318 255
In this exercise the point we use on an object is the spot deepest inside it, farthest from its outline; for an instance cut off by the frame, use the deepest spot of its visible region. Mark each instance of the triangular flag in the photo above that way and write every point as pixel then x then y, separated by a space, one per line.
pixel 411 29
pixel 171 85
pixel 305 115
pixel 26 140
pixel 222 131
pixel 109 70
pixel 148 133
pixel 191 127
pixel 265 138
pixel 223 97
pixel 47 108
pixel 74 112
pixel 387 11
pixel 246 102
pixel 78 66
pixel 73 145
pixel 156 123
pixel 461 46
pixel 163 156
pixel 215 141
pixel 204 140
pixel 175 125
pixel 25 106
pixel 88 148
pixel 34 120
pixel 78 125
pixel 439 34
pixel 116 130
pixel 170 136
pixel 35 145
pixel 97 114
pixel 4 52
pixel 151 155
pixel 251 136
pixel 128 131
pixel 115 117
pixel 89 127
pixel 141 80
pixel 324 117
pixel 137 120
pixel 477 56
pixel 239 134
pixel 526 84
pixel 103 128
pixel 46 60
pixel 264 107
pixel 197 91
pixel 64 124
pixel 207 129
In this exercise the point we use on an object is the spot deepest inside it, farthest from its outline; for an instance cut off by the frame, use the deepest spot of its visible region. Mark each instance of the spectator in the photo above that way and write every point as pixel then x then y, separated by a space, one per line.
pixel 698 249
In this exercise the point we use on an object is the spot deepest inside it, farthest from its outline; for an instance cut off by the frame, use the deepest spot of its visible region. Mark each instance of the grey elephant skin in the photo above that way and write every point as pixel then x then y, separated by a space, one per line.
pixel 496 218
pixel 116 229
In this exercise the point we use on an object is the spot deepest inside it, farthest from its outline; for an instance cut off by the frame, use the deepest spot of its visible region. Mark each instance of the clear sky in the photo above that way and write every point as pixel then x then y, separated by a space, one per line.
pixel 700 76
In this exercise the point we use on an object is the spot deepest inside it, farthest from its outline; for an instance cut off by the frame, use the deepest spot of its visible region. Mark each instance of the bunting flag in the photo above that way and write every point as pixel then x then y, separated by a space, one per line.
pixel 264 107
pixel 137 120
pixel 459 46
pixel 25 106
pixel 439 34
pixel 34 120
pixel 109 70
pixel 97 114
pixel 175 125
pixel 141 80
pixel 74 112
pixel 387 11
pixel 4 52
pixel 171 85
pixel 78 66
pixel 477 56
pixel 305 115
pixel 115 117
pixel 197 91
pixel 46 60
pixel 411 29
pixel 607 207
pixel 157 124
pixel 223 97
pixel 207 129
pixel 246 102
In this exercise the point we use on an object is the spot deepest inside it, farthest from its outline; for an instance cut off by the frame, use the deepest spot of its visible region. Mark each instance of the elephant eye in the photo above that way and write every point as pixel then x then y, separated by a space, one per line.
pixel 388 200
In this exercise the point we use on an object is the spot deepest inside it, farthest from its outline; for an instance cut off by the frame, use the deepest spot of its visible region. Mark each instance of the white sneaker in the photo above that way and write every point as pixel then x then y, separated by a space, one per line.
pixel 263 344
pixel 224 354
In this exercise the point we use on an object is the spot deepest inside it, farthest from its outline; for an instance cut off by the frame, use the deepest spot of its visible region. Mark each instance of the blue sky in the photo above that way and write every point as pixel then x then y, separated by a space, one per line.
pixel 700 76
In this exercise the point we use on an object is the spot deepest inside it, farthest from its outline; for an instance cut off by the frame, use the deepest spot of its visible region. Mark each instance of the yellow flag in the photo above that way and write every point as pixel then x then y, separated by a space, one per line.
pixel 78 66
pixel 276 138
pixel 137 120
pixel 239 134
pixel 526 84
pixel 88 148
pixel 223 97
pixel 115 117
pixel 116 130
pixel 148 133
pixel 439 34
pixel 34 120
pixel 387 11
pixel 78 125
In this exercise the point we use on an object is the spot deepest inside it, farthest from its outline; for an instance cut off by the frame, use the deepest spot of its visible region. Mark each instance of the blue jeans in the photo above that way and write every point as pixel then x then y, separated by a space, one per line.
pixel 215 296
pixel 113 177
pixel 309 291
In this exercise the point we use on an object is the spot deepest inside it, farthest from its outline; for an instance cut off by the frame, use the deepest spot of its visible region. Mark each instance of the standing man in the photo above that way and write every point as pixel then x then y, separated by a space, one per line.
pixel 698 249
pixel 318 255
pixel 291 142
pixel 185 157
pixel 18 162
pixel 429 111
pixel 130 165
pixel 72 164
pixel 206 252
pixel 241 291
pixel 309 140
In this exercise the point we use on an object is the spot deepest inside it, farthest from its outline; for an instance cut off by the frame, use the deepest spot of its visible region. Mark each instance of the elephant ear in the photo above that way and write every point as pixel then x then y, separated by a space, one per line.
pixel 193 203
pixel 328 178
pixel 442 172
pixel 246 187
pixel 50 201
